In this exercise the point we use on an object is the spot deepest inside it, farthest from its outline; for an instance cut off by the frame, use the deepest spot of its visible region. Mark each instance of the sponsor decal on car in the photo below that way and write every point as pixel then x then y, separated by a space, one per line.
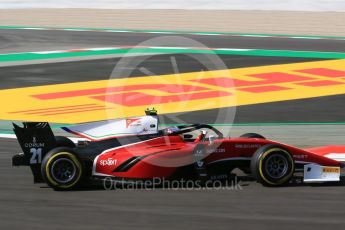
pixel 108 162
pixel 331 170
pixel 301 156
pixel 34 144
pixel 133 122
pixel 247 146
pixel 200 164
pixel 215 150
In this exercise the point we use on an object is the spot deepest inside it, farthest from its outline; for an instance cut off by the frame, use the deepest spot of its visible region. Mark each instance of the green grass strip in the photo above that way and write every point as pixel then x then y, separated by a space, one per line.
pixel 172 50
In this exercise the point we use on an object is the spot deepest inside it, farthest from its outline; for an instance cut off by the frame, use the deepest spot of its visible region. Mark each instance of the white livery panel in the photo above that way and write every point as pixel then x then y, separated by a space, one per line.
pixel 115 128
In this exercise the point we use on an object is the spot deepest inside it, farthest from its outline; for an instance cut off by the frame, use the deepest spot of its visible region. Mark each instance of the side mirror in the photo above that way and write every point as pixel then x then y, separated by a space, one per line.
pixel 211 139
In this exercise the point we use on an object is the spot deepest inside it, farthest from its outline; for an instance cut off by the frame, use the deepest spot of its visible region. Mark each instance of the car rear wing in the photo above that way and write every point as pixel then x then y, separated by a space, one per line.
pixel 36 139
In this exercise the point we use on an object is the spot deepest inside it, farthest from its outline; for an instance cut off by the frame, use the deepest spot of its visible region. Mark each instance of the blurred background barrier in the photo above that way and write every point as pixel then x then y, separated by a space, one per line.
pixel 274 22
pixel 284 5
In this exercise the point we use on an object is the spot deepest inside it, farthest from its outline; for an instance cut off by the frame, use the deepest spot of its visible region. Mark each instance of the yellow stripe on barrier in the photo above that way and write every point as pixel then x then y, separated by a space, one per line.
pixel 174 93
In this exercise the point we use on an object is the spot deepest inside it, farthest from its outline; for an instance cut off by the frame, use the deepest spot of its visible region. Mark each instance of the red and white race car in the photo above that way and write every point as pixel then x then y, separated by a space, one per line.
pixel 135 150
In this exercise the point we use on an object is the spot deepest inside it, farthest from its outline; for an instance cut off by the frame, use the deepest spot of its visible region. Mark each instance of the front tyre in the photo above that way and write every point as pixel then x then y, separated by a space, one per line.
pixel 61 169
pixel 272 165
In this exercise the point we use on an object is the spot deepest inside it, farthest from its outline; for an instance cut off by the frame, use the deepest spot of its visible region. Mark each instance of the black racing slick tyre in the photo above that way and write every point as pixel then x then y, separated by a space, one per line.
pixel 252 135
pixel 61 169
pixel 62 141
pixel 272 165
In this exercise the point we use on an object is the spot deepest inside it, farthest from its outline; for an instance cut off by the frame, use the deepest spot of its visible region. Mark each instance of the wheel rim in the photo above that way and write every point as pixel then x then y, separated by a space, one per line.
pixel 63 170
pixel 276 166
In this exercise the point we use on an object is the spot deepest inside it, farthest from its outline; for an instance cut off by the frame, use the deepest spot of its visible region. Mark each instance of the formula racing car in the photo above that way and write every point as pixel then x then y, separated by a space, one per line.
pixel 135 149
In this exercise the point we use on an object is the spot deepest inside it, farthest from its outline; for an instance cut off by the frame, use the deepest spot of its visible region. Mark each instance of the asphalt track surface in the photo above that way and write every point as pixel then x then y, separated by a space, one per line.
pixel 78 71
pixel 25 205
pixel 245 206
pixel 34 40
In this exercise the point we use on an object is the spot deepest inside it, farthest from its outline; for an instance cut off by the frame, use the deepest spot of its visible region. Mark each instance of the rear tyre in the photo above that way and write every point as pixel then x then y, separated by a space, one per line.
pixel 61 169
pixel 252 135
pixel 272 165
